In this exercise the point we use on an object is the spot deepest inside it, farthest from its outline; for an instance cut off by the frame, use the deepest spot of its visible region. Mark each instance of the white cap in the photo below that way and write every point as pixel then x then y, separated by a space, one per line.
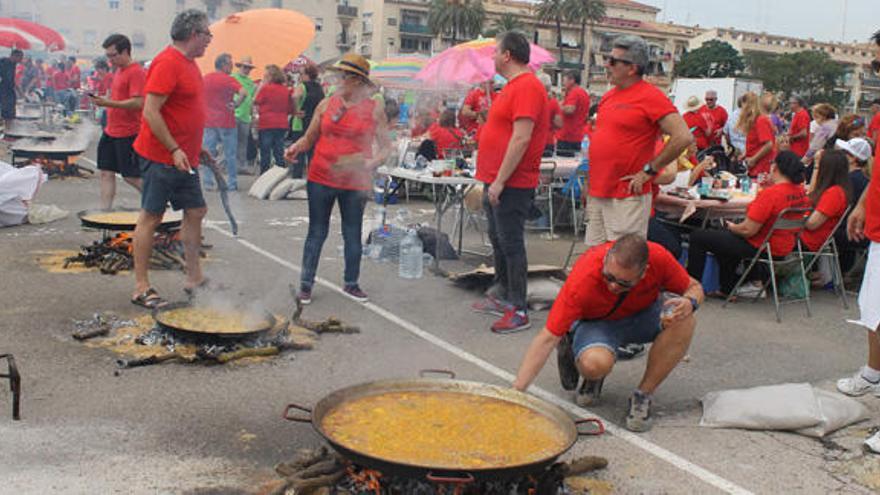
pixel 857 147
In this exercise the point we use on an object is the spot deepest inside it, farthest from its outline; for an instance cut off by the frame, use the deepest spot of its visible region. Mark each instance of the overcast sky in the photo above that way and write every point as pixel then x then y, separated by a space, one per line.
pixel 819 19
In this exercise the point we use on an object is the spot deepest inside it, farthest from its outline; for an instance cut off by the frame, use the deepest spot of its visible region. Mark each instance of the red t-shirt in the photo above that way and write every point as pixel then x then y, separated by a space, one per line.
pixel 874 127
pixel 273 105
pixel 573 125
pixel 220 89
pixel 832 204
pixel 585 295
pixel 717 118
pixel 73 76
pixel 872 201
pixel 800 122
pixel 767 206
pixel 554 110
pixel 627 125
pixel 352 134
pixel 445 138
pixel 60 81
pixel 173 75
pixel 523 97
pixel 759 135
pixel 699 127
pixel 128 83
pixel 478 101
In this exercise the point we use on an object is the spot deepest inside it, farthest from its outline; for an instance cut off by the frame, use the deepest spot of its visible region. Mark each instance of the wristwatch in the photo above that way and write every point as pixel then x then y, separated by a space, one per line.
pixel 648 169
pixel 694 304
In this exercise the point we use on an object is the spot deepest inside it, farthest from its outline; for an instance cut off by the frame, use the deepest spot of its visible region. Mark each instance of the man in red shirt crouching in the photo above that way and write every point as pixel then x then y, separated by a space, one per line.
pixel 612 298
pixel 509 156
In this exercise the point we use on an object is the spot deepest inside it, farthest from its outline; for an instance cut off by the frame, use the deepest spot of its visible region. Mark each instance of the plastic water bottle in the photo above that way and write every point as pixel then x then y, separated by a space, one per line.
pixel 585 152
pixel 411 258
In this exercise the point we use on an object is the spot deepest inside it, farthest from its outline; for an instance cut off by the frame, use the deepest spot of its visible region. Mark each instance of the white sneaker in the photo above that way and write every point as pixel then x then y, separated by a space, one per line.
pixel 857 386
pixel 753 289
pixel 872 443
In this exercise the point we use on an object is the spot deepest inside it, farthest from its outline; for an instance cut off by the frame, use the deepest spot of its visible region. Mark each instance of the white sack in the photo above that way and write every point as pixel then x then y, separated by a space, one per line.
pixel 838 411
pixel 18 186
pixel 789 406
pixel 264 184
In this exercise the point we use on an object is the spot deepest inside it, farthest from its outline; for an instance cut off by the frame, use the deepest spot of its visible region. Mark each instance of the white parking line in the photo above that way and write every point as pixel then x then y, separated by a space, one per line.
pixel 631 438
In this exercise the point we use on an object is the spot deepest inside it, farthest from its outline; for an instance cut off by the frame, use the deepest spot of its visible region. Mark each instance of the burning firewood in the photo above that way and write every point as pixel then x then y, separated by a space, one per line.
pixel 330 325
pixel 309 471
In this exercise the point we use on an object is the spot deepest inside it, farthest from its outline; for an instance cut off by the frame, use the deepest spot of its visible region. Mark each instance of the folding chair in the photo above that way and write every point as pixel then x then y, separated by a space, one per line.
pixel 570 186
pixel 14 384
pixel 788 219
pixel 544 191
pixel 581 177
pixel 828 249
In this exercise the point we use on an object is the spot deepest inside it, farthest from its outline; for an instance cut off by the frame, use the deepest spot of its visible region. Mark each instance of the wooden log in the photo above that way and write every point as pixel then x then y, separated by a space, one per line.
pixel 225 357
pixel 583 465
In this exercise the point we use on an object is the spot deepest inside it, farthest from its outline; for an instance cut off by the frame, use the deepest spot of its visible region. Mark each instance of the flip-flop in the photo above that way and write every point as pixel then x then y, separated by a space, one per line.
pixel 149 299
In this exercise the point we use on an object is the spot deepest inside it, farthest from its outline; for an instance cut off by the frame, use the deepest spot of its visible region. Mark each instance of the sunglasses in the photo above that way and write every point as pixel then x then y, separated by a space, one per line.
pixel 612 61
pixel 711 99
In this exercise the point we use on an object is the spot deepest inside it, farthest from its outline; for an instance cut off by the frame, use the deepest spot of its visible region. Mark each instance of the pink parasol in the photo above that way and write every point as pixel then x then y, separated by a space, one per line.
pixel 471 63
pixel 11 39
pixel 51 39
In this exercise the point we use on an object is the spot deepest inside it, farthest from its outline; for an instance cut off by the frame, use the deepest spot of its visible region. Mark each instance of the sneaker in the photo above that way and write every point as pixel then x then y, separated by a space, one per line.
pixel 305 296
pixel 512 321
pixel 356 293
pixel 754 289
pixel 639 418
pixel 629 351
pixel 857 385
pixel 589 392
pixel 489 305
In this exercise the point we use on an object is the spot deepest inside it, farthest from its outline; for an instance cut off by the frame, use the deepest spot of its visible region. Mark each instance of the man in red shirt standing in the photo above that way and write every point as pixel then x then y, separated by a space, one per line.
pixel 715 115
pixel 864 223
pixel 799 133
pixel 222 94
pixel 554 111
pixel 475 107
pixel 508 162
pixel 575 111
pixel 169 146
pixel 622 161
pixel 874 126
pixel 116 147
pixel 612 299
pixel 697 123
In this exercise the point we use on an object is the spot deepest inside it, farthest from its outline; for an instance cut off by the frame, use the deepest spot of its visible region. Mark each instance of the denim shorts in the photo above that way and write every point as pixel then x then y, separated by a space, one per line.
pixel 165 184
pixel 640 328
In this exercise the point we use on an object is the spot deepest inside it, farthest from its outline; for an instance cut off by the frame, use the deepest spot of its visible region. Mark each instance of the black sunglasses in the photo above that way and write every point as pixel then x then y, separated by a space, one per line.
pixel 611 279
pixel 614 60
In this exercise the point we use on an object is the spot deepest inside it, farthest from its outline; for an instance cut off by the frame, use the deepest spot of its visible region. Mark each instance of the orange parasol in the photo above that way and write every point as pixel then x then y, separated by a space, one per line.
pixel 269 36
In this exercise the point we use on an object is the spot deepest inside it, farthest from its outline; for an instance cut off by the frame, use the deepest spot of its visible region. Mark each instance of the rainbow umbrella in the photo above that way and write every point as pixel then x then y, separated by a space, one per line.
pixel 269 36
pixel 399 72
pixel 471 63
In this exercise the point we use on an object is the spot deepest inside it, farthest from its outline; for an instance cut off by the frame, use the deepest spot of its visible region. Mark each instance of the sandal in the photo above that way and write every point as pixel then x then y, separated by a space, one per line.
pixel 205 285
pixel 149 299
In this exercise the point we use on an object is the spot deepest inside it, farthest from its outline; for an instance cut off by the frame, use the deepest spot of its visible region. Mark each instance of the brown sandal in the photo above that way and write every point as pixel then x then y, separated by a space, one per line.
pixel 149 299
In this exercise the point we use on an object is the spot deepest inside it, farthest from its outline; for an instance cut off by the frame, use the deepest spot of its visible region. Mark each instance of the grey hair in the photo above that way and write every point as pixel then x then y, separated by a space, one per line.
pixel 186 24
pixel 221 60
pixel 711 92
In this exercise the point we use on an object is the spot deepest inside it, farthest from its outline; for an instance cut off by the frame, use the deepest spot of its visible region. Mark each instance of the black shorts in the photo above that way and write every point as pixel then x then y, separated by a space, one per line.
pixel 165 184
pixel 117 155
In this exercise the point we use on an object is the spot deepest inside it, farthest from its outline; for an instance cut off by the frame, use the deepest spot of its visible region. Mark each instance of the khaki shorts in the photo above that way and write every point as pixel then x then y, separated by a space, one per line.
pixel 611 218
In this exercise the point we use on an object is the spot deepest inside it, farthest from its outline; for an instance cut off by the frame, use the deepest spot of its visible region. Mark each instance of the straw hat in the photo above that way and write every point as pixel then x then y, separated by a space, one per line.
pixel 692 104
pixel 354 64
pixel 246 61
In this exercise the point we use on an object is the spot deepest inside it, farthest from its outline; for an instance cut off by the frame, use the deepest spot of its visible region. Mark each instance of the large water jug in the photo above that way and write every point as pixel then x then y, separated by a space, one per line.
pixel 411 257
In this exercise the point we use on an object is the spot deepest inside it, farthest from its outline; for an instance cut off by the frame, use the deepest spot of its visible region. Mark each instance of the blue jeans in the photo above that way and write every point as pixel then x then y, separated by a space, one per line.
pixel 351 207
pixel 215 136
pixel 640 328
pixel 271 144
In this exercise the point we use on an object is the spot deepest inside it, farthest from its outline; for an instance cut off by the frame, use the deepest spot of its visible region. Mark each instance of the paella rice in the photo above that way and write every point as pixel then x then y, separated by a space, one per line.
pixel 444 429
pixel 124 217
pixel 212 320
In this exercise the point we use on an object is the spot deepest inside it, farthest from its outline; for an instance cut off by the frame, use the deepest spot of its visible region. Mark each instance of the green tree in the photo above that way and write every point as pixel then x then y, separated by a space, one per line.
pixel 587 13
pixel 812 75
pixel 553 11
pixel 507 22
pixel 713 59
pixel 463 19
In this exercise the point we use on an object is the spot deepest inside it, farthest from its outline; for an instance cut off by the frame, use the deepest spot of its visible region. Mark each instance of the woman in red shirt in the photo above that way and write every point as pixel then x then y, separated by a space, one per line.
pixel 830 195
pixel 445 135
pixel 742 240
pixel 343 130
pixel 273 109
pixel 760 136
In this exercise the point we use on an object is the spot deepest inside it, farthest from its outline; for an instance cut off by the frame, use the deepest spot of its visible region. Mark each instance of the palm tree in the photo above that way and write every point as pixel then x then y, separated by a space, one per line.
pixel 507 22
pixel 553 11
pixel 459 17
pixel 587 13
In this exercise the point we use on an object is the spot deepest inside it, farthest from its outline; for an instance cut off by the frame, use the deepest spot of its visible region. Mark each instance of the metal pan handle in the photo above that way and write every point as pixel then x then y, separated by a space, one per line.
pixel 599 429
pixel 298 419
pixel 448 373
pixel 467 479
